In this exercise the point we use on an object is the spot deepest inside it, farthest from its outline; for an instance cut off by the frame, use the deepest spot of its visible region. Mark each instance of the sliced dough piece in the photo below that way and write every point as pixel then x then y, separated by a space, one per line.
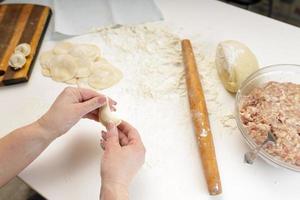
pixel 234 62
pixel 63 67
pixel 62 48
pixel 23 48
pixel 45 59
pixel 17 60
pixel 84 66
pixel 107 116
pixel 104 77
pixel 89 51
pixel 46 72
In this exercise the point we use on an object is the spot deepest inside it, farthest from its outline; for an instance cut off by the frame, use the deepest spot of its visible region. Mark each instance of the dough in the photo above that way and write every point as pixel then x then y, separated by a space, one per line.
pixel 234 62
pixel 46 72
pixel 106 116
pixel 62 48
pixel 99 63
pixel 104 77
pixel 89 51
pixel 63 67
pixel 17 60
pixel 84 66
pixel 72 81
pixel 45 59
pixel 24 49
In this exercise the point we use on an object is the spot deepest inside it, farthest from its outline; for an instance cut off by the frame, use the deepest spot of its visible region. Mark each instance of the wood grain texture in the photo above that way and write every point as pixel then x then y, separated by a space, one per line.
pixel 200 120
pixel 21 23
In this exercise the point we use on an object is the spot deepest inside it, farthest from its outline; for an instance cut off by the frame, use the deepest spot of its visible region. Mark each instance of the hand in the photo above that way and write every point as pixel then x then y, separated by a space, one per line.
pixel 69 107
pixel 124 154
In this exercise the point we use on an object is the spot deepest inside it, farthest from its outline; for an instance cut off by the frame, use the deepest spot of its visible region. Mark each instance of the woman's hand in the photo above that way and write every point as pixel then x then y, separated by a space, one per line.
pixel 124 154
pixel 69 107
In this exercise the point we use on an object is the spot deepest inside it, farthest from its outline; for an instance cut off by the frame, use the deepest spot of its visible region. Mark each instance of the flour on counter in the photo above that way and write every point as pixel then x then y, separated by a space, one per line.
pixel 152 57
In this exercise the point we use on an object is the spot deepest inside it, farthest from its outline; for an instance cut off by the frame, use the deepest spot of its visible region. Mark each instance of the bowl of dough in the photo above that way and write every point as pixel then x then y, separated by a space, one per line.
pixel 269 101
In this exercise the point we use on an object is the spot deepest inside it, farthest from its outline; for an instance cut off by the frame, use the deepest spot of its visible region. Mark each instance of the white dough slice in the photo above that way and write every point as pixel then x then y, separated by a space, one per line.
pixel 17 60
pixel 63 67
pixel 234 63
pixel 45 59
pixel 107 116
pixel 89 51
pixel 46 72
pixel 104 77
pixel 62 48
pixel 23 48
pixel 84 65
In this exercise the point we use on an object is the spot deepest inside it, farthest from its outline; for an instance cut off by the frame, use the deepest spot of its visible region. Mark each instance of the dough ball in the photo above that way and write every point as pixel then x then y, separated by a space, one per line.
pixel 104 77
pixel 89 51
pixel 107 116
pixel 234 62
pixel 63 67
pixel 46 72
pixel 62 48
pixel 84 65
pixel 24 49
pixel 17 60
pixel 45 59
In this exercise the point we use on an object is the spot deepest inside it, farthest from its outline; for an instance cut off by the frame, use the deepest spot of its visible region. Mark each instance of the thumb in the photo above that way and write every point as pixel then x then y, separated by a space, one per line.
pixel 112 136
pixel 91 104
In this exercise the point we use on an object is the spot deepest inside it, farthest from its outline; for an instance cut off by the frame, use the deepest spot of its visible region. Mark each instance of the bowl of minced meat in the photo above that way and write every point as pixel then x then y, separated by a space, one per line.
pixel 269 101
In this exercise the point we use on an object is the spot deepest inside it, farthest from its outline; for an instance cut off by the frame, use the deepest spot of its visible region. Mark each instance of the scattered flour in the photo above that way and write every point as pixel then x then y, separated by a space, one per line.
pixel 153 59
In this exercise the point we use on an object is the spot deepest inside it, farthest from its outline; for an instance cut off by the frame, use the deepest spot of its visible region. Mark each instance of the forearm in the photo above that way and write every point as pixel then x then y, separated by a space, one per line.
pixel 19 148
pixel 113 192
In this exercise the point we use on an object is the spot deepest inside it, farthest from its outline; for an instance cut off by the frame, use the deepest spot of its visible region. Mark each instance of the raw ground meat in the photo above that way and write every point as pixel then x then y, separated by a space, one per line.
pixel 276 108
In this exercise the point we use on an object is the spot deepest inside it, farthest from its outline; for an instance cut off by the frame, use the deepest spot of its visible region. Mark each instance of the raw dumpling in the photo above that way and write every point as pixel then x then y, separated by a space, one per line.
pixel 62 48
pixel 45 59
pixel 84 66
pixel 63 67
pixel 107 116
pixel 234 62
pixel 89 51
pixel 104 77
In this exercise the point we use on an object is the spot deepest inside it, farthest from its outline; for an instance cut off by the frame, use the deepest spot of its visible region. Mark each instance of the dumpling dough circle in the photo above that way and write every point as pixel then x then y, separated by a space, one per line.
pixel 23 48
pixel 45 59
pixel 107 116
pixel 84 66
pixel 46 72
pixel 62 48
pixel 63 67
pixel 89 51
pixel 234 63
pixel 104 77
pixel 17 60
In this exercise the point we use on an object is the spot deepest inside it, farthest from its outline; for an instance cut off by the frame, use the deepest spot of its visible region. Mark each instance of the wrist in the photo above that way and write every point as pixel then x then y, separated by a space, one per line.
pixel 46 133
pixel 113 191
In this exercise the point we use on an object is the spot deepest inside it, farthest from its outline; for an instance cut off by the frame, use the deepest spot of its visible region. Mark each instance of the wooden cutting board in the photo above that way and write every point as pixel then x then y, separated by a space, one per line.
pixel 20 23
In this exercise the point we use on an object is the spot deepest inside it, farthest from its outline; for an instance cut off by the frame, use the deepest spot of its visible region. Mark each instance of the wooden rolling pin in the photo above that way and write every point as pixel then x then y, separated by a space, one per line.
pixel 200 120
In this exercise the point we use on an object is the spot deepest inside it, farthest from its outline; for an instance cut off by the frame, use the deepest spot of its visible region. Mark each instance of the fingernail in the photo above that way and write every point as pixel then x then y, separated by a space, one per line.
pixel 101 101
pixel 103 133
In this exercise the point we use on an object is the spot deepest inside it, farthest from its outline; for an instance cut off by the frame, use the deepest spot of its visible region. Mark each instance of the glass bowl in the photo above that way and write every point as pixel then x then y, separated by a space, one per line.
pixel 279 73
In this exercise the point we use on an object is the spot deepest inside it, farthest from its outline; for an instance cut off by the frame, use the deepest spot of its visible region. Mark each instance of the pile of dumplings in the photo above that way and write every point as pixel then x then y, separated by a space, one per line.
pixel 79 64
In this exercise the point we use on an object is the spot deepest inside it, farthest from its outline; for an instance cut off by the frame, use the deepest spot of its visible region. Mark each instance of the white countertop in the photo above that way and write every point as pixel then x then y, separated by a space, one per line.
pixel 69 168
